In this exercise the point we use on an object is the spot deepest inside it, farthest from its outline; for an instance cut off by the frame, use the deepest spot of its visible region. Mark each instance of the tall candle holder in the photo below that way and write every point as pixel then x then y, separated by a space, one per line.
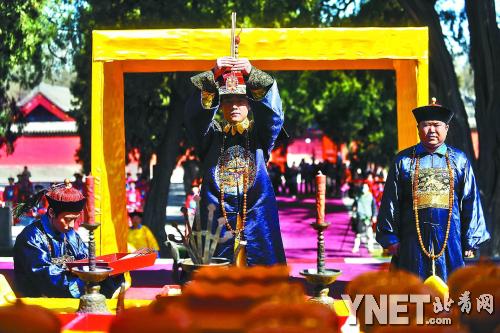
pixel 321 277
pixel 92 301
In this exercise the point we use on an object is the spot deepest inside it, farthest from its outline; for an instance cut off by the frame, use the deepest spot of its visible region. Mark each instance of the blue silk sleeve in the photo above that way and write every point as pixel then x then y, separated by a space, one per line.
pixel 388 216
pixel 54 280
pixel 78 247
pixel 268 116
pixel 472 219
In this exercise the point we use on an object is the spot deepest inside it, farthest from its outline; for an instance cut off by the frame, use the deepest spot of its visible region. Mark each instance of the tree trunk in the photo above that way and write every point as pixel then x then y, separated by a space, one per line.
pixel 484 57
pixel 443 80
pixel 155 210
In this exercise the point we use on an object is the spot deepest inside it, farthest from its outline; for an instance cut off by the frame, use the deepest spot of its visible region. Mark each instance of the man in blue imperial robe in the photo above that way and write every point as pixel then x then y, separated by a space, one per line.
pixel 418 189
pixel 43 248
pixel 234 155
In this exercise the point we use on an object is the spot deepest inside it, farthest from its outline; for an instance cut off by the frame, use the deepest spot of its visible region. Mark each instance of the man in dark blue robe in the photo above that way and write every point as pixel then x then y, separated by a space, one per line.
pixel 235 153
pixel 419 188
pixel 43 248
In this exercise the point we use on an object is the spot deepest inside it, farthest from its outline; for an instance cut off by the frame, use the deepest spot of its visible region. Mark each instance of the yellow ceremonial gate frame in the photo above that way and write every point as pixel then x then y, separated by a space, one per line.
pixel 404 50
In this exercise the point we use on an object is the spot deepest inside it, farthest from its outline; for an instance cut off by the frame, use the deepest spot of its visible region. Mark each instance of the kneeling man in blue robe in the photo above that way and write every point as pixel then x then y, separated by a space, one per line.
pixel 43 248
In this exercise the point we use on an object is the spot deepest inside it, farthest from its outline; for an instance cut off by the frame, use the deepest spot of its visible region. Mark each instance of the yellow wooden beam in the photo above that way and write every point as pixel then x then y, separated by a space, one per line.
pixel 261 44
pixel 149 66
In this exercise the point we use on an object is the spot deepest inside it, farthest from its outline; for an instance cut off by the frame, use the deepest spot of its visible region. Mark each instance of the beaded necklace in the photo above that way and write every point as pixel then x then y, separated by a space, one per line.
pixel 238 233
pixel 431 254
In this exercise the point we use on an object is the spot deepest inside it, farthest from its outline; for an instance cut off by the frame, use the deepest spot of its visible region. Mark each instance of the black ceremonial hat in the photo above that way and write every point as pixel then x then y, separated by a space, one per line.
pixel 433 111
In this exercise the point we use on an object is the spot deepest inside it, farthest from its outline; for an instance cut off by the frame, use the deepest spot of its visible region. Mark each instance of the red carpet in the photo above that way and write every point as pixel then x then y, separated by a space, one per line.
pixel 300 239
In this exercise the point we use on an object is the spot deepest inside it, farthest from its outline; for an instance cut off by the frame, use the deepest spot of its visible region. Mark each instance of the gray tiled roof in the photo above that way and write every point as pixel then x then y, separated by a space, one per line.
pixel 59 95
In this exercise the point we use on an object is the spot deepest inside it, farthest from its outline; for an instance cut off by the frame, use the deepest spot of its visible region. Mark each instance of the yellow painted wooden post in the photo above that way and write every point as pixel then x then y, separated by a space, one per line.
pixel 423 81
pixel 406 92
pixel 108 157
pixel 115 52
pixel 98 168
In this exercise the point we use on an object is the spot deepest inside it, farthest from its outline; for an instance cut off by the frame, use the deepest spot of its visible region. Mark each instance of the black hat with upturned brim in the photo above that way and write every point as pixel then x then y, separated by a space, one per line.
pixel 433 112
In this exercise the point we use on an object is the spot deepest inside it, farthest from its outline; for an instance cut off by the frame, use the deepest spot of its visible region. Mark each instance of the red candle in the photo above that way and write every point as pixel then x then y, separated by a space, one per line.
pixel 320 197
pixel 90 204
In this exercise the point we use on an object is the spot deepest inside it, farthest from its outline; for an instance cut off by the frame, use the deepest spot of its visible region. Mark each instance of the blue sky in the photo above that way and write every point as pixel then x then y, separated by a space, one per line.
pixel 497 9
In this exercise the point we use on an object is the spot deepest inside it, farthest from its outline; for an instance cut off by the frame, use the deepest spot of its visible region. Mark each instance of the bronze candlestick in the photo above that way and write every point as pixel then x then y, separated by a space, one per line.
pixel 92 301
pixel 321 277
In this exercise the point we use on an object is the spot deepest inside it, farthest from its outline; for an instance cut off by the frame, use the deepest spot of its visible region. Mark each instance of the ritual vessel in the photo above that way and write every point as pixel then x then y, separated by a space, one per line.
pixel 199 243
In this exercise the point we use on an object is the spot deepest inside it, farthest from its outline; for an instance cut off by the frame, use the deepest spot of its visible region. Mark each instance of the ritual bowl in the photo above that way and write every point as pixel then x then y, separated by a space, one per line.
pixel 95 276
pixel 188 266
pixel 324 278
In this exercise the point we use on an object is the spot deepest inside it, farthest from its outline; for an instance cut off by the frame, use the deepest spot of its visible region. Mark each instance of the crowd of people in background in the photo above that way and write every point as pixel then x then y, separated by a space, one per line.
pixel 300 179
pixel 20 191
pixel 364 186
pixel 341 179
pixel 295 180
pixel 136 189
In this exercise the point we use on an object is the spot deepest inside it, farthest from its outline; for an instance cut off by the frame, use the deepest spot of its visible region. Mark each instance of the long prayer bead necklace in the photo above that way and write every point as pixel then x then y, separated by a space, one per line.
pixel 450 206
pixel 238 233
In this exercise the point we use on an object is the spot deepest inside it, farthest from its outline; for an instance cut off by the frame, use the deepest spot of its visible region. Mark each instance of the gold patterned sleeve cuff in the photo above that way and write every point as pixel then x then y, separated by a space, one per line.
pixel 206 83
pixel 259 83
pixel 207 98
pixel 258 94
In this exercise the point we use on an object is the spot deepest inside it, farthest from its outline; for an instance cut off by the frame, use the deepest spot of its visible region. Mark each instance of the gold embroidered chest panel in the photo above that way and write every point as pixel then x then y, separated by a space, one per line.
pixel 234 162
pixel 433 188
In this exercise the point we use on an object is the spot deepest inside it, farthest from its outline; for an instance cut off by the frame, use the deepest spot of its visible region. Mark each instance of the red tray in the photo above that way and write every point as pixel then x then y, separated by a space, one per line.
pixel 118 264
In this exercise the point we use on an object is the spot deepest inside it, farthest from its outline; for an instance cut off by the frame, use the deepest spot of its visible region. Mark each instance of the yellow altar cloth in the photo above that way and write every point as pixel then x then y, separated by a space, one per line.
pixel 70 305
